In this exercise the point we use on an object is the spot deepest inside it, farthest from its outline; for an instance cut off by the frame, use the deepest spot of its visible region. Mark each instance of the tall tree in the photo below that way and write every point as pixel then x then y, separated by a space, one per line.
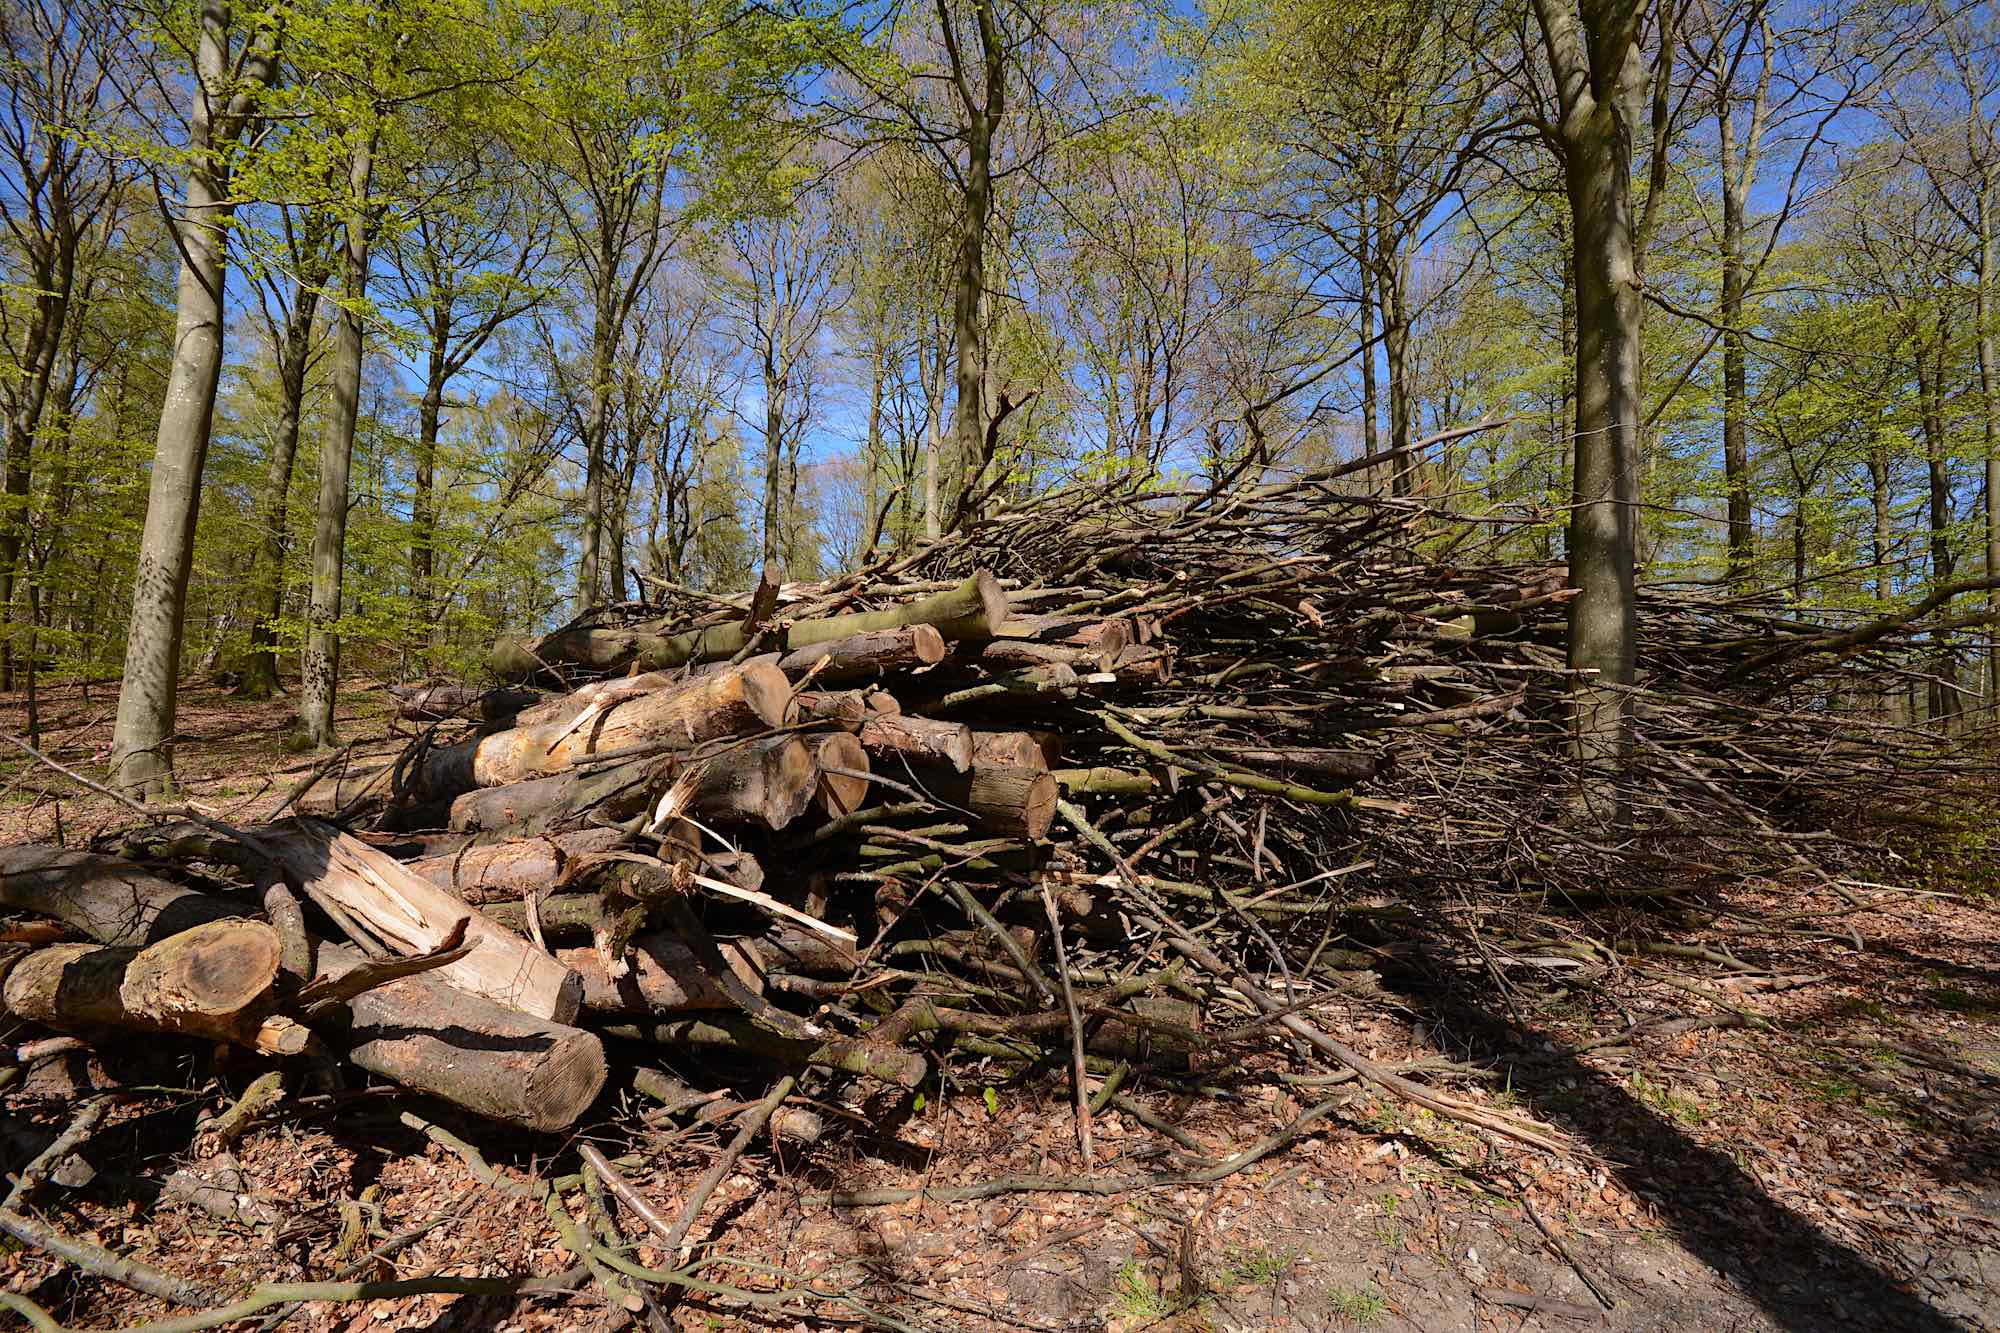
pixel 1594 55
pixel 57 203
pixel 232 70
pixel 289 301
pixel 463 266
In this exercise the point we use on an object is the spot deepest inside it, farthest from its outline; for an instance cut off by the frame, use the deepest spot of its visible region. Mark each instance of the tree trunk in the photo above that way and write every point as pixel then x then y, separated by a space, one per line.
pixel 267 560
pixel 319 668
pixel 1394 280
pixel 933 448
pixel 596 432
pixel 423 499
pixel 969 287
pixel 141 745
pixel 1735 381
pixel 41 341
pixel 773 545
pixel 1989 420
pixel 1371 427
pixel 1595 72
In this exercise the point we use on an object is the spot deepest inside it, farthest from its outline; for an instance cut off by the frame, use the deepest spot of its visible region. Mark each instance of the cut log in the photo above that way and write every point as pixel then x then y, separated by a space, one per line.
pixel 618 791
pixel 865 656
pixel 435 703
pixel 110 900
pixel 839 757
pixel 509 869
pixel 919 739
pixel 846 709
pixel 1020 802
pixel 769 781
pixel 750 697
pixel 1103 639
pixel 971 610
pixel 1008 749
pixel 664 978
pixel 485 1057
pixel 412 915
pixel 1105 781
pixel 419 1032
pixel 215 980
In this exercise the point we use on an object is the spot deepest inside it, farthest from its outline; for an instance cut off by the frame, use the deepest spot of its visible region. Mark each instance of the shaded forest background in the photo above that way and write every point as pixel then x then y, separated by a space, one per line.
pixel 526 307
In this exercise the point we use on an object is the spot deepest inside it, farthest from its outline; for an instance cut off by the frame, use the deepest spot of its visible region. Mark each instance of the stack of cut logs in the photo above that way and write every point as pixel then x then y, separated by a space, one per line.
pixel 1058 789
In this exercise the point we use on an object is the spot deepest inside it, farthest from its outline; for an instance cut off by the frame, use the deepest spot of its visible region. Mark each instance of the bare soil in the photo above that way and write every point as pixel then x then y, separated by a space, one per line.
pixel 1811 1147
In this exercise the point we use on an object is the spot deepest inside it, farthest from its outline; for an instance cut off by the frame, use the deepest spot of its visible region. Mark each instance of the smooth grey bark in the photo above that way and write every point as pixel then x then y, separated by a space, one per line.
pixel 293 350
pixel 1594 54
pixel 1989 414
pixel 141 745
pixel 1737 166
pixel 983 111
pixel 319 665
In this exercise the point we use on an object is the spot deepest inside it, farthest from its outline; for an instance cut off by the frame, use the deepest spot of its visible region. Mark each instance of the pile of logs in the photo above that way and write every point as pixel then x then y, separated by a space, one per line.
pixel 1082 785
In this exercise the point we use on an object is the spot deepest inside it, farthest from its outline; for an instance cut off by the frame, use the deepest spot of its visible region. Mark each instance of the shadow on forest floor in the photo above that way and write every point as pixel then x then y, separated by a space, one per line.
pixel 1799 1276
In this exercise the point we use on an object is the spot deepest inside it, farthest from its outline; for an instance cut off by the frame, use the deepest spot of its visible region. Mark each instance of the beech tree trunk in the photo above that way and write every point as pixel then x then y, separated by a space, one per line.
pixel 141 745
pixel 319 667
pixel 983 111
pixel 1593 52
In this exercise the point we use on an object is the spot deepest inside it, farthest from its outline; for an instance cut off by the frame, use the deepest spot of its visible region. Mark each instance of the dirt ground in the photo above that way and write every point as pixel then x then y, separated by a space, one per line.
pixel 1808 1146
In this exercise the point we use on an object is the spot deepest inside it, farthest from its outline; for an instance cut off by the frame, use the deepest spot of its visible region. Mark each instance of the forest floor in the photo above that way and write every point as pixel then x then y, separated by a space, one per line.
pixel 1811 1147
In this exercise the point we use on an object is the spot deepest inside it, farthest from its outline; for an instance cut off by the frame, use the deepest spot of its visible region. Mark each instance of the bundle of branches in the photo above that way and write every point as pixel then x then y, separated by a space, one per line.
pixel 1122 781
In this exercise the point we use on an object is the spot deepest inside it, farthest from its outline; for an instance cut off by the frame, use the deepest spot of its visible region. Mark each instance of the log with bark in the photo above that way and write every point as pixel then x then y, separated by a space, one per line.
pixel 216 980
pixel 971 610
pixel 672 716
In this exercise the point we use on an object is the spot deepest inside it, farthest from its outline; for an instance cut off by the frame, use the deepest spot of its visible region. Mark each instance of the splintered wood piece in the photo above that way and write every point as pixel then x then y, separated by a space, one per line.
pixel 214 980
pixel 920 739
pixel 413 916
pixel 840 759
